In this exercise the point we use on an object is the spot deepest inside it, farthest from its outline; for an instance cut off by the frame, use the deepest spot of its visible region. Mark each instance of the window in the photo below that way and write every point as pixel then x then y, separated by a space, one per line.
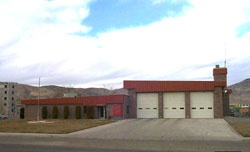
pixel 5 86
pixel 12 92
pixel 13 86
pixel 5 104
pixel 201 107
pixel 5 98
pixel 12 98
pixel 127 110
pixel 5 92
pixel 84 109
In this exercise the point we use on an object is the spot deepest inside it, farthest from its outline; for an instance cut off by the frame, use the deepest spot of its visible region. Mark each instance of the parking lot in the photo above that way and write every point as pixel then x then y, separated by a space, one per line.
pixel 163 129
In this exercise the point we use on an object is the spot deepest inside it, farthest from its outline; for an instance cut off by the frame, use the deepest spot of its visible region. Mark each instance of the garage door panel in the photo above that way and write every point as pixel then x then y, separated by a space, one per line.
pixel 174 105
pixel 147 105
pixel 201 105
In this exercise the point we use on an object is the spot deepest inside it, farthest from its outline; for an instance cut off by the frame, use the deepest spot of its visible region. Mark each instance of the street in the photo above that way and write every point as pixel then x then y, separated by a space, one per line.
pixel 24 143
pixel 39 148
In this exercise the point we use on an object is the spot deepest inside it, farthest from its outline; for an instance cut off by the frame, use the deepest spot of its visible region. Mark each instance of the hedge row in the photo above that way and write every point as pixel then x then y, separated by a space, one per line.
pixel 55 112
pixel 22 113
pixel 44 112
pixel 66 112
pixel 78 112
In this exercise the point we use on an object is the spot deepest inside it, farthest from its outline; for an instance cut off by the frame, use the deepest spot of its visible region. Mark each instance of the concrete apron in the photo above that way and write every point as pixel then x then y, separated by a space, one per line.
pixel 163 129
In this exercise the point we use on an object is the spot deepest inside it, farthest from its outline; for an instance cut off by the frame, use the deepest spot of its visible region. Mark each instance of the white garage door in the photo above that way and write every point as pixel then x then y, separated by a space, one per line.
pixel 202 105
pixel 174 105
pixel 147 105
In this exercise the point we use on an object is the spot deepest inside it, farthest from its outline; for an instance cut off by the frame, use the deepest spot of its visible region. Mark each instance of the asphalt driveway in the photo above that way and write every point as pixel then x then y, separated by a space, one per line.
pixel 163 129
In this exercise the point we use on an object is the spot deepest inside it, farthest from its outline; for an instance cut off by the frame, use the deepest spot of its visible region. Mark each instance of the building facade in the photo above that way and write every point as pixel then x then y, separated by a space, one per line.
pixel 92 107
pixel 179 99
pixel 8 99
pixel 148 99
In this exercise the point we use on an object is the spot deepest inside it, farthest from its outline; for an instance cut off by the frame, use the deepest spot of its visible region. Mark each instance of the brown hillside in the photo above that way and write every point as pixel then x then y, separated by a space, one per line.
pixel 241 92
pixel 52 91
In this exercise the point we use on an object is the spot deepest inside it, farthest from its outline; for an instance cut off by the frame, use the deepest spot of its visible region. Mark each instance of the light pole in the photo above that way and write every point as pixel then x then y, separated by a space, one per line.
pixel 38 102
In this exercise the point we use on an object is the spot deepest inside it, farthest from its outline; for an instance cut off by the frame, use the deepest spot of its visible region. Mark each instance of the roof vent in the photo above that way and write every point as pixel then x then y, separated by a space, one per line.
pixel 217 66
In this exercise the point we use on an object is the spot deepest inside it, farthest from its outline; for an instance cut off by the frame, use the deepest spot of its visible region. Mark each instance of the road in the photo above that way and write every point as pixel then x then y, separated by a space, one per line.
pixel 39 148
pixel 23 143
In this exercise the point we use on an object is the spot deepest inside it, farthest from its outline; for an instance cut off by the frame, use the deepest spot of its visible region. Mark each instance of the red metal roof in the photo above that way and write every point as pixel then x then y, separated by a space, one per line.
pixel 88 100
pixel 172 86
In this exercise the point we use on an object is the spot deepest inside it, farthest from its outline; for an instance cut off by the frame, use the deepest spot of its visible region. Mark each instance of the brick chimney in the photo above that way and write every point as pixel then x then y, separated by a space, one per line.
pixel 220 74
pixel 221 99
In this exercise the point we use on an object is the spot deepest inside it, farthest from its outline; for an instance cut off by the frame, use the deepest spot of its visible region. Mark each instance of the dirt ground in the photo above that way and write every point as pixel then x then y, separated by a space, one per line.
pixel 240 124
pixel 237 119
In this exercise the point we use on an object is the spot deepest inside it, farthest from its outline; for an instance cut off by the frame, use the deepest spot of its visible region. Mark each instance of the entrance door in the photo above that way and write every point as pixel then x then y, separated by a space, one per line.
pixel 101 112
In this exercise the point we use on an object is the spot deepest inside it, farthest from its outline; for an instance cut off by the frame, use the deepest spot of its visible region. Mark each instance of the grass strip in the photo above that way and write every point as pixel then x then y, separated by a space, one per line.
pixel 52 126
pixel 242 127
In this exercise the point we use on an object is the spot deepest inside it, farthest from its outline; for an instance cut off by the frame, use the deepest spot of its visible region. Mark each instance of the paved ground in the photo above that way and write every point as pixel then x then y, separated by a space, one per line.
pixel 61 144
pixel 163 129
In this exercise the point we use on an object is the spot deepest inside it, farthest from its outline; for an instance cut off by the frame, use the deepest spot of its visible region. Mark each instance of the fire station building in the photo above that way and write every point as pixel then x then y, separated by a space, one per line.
pixel 92 107
pixel 179 99
pixel 153 99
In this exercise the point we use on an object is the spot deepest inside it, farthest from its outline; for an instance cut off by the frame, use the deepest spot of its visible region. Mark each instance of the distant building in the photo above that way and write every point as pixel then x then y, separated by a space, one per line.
pixel 8 99
pixel 70 95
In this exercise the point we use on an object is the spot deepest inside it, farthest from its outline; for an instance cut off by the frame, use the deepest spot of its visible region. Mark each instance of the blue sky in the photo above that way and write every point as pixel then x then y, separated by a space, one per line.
pixel 243 29
pixel 117 14
pixel 97 43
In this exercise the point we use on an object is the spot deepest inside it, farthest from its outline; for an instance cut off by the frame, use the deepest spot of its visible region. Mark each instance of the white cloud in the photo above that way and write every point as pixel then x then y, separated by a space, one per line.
pixel 27 16
pixel 196 38
pixel 156 2
pixel 168 49
pixel 161 2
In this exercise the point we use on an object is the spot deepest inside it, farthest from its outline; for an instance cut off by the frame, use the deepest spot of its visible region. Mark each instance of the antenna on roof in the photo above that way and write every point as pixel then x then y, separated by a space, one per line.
pixel 225 62
pixel 38 102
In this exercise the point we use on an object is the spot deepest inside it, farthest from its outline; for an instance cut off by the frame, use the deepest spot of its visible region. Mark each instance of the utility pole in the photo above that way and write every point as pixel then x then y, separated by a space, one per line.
pixel 225 62
pixel 38 102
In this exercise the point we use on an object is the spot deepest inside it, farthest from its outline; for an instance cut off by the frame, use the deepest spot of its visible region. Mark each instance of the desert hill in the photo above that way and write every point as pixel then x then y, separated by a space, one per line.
pixel 241 92
pixel 52 91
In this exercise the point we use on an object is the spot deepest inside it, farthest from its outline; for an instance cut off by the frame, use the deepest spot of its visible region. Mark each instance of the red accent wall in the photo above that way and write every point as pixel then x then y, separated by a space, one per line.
pixel 87 101
pixel 117 110
pixel 171 86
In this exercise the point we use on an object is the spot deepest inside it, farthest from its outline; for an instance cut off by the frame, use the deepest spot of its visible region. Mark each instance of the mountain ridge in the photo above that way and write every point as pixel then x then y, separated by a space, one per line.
pixel 52 91
pixel 240 91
